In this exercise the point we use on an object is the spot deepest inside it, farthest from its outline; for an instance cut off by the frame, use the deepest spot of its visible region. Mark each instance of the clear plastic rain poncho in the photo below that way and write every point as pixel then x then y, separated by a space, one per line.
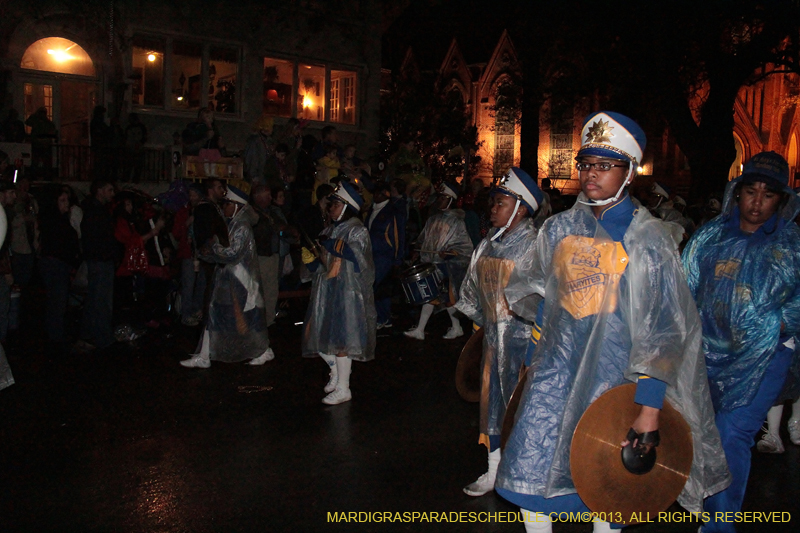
pixel 237 325
pixel 506 336
pixel 446 231
pixel 341 315
pixel 611 313
pixel 744 288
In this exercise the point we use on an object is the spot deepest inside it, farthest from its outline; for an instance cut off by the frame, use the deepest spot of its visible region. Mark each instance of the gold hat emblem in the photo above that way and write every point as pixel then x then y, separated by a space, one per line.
pixel 599 132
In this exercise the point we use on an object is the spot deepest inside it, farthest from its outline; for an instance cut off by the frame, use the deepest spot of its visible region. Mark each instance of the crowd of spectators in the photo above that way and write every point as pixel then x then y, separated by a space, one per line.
pixel 123 249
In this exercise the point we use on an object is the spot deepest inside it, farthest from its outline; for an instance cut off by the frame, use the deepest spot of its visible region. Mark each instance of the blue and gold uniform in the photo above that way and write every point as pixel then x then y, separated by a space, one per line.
pixel 616 309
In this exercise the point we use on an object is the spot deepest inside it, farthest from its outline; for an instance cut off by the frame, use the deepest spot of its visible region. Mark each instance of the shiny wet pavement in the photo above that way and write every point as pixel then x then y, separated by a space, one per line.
pixel 129 441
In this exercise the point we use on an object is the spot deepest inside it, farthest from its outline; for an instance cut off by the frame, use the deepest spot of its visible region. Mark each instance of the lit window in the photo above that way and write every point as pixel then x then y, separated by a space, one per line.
pixel 343 96
pixel 187 90
pixel 278 80
pixel 311 92
pixel 148 72
pixel 54 54
pixel 223 66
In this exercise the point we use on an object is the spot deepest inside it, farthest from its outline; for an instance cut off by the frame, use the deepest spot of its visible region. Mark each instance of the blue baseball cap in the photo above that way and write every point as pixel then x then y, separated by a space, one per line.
pixel 769 167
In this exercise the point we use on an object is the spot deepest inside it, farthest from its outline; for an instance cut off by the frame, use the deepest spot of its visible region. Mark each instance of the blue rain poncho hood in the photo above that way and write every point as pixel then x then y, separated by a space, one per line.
pixel 745 286
pixel 506 336
pixel 612 311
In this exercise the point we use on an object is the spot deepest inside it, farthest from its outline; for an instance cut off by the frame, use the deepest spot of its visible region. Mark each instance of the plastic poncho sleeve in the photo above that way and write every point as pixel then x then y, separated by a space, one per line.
pixel 691 266
pixel 234 252
pixel 656 312
pixel 469 299
pixel 445 232
pixel 525 289
pixel 359 249
pixel 790 314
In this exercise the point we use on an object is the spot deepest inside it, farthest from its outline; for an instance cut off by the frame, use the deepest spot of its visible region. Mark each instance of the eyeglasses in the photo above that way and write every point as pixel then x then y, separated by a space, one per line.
pixel 602 166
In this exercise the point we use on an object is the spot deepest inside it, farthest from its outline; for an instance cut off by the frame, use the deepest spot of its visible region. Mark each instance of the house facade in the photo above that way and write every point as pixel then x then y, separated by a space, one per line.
pixel 313 60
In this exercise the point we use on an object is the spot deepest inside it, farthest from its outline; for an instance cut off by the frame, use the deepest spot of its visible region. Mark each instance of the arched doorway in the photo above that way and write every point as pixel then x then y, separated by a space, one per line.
pixel 736 166
pixel 58 76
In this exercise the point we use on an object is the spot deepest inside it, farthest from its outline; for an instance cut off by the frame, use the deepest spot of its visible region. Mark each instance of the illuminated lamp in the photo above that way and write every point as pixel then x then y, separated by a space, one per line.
pixel 639 169
pixel 272 95
pixel 151 57
pixel 60 55
pixel 307 102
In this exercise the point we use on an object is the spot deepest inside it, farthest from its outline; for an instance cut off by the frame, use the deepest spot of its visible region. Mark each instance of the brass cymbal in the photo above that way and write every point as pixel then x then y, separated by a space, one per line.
pixel 603 483
pixel 468 369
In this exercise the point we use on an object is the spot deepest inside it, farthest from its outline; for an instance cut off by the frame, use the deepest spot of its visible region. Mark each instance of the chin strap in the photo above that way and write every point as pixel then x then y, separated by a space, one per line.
pixel 344 208
pixel 619 192
pixel 510 220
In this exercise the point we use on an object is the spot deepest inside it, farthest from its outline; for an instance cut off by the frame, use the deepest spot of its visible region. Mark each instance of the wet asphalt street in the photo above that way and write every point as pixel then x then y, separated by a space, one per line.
pixel 129 441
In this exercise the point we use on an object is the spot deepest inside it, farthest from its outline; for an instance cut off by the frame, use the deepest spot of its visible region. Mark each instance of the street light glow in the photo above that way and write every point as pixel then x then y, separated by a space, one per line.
pixel 151 57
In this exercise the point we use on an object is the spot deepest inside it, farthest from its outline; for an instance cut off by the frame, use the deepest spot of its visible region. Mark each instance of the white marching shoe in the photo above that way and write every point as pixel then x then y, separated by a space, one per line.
pixel 332 380
pixel 197 361
pixel 485 483
pixel 269 355
pixel 415 333
pixel 453 333
pixel 338 396
pixel 341 392
pixel 794 431
pixel 769 443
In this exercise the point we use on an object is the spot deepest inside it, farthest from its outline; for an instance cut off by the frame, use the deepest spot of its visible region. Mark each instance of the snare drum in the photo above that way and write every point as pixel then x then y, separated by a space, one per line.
pixel 422 283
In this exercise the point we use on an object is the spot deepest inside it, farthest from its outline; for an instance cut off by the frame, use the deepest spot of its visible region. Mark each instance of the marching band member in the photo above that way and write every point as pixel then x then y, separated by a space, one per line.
pixel 341 320
pixel 743 272
pixel 236 329
pixel 616 309
pixel 507 247
pixel 444 241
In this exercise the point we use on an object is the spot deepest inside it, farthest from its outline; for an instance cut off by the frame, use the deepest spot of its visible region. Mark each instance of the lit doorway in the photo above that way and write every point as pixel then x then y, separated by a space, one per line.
pixel 59 91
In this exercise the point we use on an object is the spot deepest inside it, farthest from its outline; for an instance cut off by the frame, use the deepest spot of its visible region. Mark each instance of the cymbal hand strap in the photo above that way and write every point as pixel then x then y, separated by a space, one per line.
pixel 641 458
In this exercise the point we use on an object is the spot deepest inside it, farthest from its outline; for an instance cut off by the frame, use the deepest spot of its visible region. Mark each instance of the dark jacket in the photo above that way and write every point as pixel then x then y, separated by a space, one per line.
pixel 388 231
pixel 97 233
pixel 57 237
pixel 265 234
pixel 208 222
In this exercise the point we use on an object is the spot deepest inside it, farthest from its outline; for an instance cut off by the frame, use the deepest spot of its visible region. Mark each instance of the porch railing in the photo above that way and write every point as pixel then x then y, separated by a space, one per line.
pixel 81 163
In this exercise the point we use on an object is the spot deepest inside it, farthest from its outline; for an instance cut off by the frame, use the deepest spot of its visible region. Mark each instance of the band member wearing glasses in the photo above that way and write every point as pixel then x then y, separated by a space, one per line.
pixel 616 309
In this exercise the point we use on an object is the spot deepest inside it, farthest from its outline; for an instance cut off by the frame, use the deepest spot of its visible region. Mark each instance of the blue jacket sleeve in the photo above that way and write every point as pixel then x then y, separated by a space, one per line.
pixel 650 392
pixel 339 248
